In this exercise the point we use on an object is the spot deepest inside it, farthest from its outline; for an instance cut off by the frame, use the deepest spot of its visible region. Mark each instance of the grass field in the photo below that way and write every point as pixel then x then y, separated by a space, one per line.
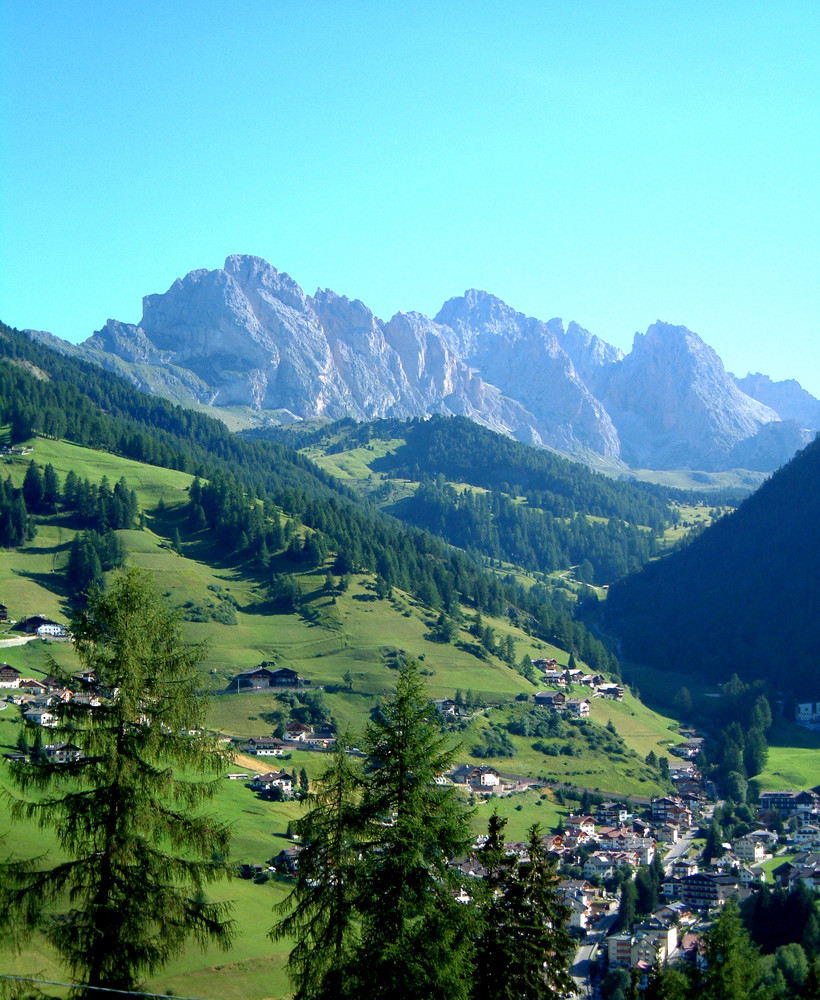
pixel 794 758
pixel 331 638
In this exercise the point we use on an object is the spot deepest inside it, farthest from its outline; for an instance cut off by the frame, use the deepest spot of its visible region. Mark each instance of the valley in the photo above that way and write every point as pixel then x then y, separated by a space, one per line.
pixel 294 559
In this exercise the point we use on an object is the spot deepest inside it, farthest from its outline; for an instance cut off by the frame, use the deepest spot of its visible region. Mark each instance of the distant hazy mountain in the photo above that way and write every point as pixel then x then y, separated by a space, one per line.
pixel 788 398
pixel 247 336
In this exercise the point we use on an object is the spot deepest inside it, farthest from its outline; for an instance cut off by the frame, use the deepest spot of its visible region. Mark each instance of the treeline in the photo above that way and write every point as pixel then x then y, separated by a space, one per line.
pixel 99 509
pixel 570 515
pixel 739 749
pixel 495 526
pixel 742 597
pixel 16 527
pixel 101 410
pixel 466 452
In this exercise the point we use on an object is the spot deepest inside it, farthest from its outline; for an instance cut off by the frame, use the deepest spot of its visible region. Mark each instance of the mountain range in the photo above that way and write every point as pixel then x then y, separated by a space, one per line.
pixel 247 337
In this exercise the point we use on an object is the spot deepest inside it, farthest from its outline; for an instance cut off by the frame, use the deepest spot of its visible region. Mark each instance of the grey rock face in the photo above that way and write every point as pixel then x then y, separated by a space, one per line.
pixel 674 404
pixel 592 357
pixel 523 357
pixel 772 446
pixel 247 335
pixel 788 398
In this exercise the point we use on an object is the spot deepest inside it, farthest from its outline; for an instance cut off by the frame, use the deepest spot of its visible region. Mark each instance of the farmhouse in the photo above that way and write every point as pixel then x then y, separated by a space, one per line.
pixel 30 625
pixel 52 630
pixel 807 713
pixel 61 753
pixel 612 691
pixel 550 699
pixel 9 676
pixel 263 747
pixel 32 686
pixel 579 827
pixel 264 677
pixel 273 779
pixel 555 677
pixel 481 777
pixel 41 717
pixel 612 813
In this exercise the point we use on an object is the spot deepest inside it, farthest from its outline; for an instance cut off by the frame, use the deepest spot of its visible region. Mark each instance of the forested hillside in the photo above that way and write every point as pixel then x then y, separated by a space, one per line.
pixel 525 506
pixel 743 597
pixel 44 392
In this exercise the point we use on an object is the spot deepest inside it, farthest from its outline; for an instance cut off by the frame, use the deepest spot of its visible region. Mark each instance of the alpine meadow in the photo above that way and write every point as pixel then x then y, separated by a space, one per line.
pixel 390 708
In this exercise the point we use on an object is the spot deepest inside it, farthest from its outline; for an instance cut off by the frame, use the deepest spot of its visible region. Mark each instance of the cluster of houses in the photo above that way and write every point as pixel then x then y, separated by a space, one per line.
pixel 562 677
pixel 613 837
pixel 38 698
pixel 670 933
pixel 297 736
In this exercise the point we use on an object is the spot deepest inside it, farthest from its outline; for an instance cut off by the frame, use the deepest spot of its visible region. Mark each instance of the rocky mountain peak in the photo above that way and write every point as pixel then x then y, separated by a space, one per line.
pixel 255 275
pixel 247 335
pixel 673 400
pixel 788 398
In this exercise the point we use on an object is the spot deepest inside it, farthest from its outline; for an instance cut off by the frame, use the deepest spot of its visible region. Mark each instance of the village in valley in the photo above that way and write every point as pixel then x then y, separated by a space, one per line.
pixel 655 845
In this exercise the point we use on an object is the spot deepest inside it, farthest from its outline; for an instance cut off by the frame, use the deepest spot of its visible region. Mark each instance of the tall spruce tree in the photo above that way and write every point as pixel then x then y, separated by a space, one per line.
pixel 733 968
pixel 374 911
pixel 319 914
pixel 138 851
pixel 416 938
pixel 524 950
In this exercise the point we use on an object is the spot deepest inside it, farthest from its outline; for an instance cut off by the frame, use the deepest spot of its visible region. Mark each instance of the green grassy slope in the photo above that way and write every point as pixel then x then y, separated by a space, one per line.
pixel 351 635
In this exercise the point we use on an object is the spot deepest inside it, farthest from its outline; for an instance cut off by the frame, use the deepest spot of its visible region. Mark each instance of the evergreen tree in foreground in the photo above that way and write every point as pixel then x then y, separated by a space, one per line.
pixel 525 950
pixel 733 968
pixel 374 911
pixel 417 940
pixel 139 853
pixel 319 913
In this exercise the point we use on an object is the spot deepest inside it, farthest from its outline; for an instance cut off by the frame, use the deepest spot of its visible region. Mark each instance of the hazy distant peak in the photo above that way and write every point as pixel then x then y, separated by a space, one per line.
pixel 787 397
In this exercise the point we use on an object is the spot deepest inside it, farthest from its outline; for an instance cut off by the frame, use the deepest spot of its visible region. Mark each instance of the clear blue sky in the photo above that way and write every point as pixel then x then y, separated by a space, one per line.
pixel 612 163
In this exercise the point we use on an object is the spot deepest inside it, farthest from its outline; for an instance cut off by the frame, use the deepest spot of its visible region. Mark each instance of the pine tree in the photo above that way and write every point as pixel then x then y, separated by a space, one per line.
pixel 319 914
pixel 51 489
pixel 416 938
pixel 627 907
pixel 732 972
pixel 138 852
pixel 37 746
pixel 666 982
pixel 525 949
pixel 84 570
pixel 33 488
